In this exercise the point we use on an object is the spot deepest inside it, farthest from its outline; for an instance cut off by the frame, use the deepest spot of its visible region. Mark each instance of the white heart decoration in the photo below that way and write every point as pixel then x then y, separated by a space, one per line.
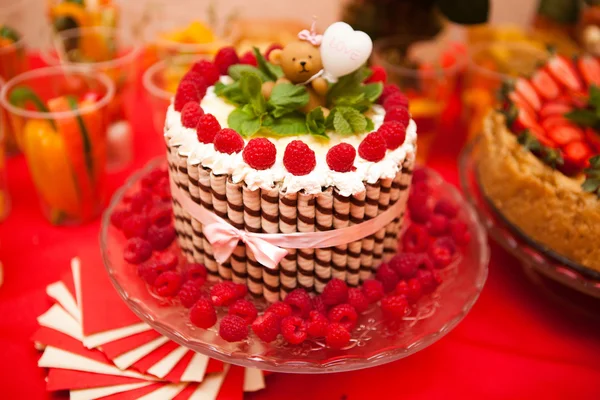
pixel 343 50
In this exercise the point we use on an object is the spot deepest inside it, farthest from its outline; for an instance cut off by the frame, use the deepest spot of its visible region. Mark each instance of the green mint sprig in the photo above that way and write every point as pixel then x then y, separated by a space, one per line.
pixel 588 116
pixel 592 176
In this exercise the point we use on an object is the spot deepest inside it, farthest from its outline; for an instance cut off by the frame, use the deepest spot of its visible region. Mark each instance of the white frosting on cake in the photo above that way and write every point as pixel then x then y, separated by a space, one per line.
pixel 347 183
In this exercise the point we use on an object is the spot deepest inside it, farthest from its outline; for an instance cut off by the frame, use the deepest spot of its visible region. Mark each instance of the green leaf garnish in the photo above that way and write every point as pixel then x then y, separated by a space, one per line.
pixel 315 122
pixel 582 117
pixel 236 71
pixel 244 122
pixel 288 125
pixel 251 87
pixel 346 121
pixel 348 85
pixel 592 175
pixel 286 98
pixel 271 71
pixel 372 91
pixel 231 92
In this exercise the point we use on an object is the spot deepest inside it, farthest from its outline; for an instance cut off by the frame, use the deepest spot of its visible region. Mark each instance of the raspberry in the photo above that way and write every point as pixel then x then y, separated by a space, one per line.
pixel 394 133
pixel 135 226
pixel 440 255
pixel 410 289
pixel 395 100
pixel 163 189
pixel 195 271
pixel 405 265
pixel 335 292
pixel 267 327
pixel 386 275
pixel 190 292
pixel 388 90
pixel 244 309
pixel 190 114
pixel 340 158
pixel 345 315
pixel 378 75
pixel 198 81
pixel 161 215
pixel 118 216
pixel 337 337
pixel 460 233
pixel 446 208
pixel 207 70
pixel 293 330
pixel 419 213
pixel 372 148
pixel 248 58
pixel 228 141
pixel 260 153
pixel 438 225
pixel 429 280
pixel 358 300
pixel 274 46
pixel 415 239
pixel 394 307
pixel 225 293
pixel 316 325
pixel 399 114
pixel 137 251
pixel 203 314
pixel 225 58
pixel 233 328
pixel 241 290
pixel 167 261
pixel 186 92
pixel 300 302
pixel 298 158
pixel 161 237
pixel 420 175
pixel 168 283
pixel 140 200
pixel 207 128
pixel 150 179
pixel 373 290
pixel 280 309
pixel 151 269
pixel 318 305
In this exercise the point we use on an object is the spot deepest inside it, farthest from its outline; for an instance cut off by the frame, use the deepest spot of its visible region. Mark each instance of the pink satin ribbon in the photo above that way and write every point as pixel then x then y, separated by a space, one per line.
pixel 269 248
pixel 311 36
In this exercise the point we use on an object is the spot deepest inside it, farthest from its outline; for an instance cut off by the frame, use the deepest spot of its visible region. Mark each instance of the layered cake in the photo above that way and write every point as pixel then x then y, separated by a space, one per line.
pixel 539 163
pixel 276 148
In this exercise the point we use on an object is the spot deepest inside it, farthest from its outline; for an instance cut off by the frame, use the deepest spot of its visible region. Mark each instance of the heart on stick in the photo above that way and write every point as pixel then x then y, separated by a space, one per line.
pixel 343 50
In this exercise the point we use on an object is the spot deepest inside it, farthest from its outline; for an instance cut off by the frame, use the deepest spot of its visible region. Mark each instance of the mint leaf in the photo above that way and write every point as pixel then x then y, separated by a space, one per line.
pixel 288 125
pixel 251 86
pixel 594 99
pixel 595 162
pixel 287 97
pixel 372 91
pixel 357 101
pixel 243 122
pixel 236 71
pixel 583 117
pixel 348 85
pixel 271 71
pixel 347 120
pixel 231 92
pixel 315 122
pixel 370 125
pixel 591 185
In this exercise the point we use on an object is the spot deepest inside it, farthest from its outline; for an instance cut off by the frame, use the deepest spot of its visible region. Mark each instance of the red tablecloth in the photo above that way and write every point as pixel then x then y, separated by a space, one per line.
pixel 515 343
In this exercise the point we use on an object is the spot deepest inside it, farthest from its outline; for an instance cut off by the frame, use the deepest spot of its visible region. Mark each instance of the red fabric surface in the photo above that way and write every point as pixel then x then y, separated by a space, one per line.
pixel 515 343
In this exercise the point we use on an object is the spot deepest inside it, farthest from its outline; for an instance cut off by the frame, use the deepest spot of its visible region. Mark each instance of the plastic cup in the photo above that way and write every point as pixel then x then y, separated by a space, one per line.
pixel 160 84
pixel 67 15
pixel 430 79
pixel 63 136
pixel 491 65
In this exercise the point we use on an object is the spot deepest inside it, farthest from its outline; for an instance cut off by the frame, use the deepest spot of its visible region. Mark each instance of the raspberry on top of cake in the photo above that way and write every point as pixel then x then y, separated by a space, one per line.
pixel 273 119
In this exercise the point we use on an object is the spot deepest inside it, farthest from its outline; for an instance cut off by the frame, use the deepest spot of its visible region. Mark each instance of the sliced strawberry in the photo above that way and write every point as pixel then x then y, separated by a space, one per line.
pixel 593 138
pixel 526 90
pixel 554 108
pixel 564 72
pixel 590 70
pixel 540 135
pixel 554 121
pixel 545 85
pixel 563 135
pixel 521 103
pixel 525 120
pixel 576 156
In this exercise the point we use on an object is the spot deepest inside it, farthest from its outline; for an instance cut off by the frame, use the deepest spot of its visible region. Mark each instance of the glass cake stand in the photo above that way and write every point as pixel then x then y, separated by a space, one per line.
pixel 373 342
pixel 558 276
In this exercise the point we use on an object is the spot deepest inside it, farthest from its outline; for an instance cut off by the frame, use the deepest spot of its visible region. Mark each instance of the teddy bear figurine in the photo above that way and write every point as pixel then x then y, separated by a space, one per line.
pixel 300 60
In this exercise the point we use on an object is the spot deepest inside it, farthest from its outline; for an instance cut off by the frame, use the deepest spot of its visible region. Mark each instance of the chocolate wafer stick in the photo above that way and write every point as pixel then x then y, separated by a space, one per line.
pixel 218 185
pixel 206 201
pixel 341 219
pixel 182 177
pixel 390 243
pixel 306 257
pixel 269 206
pixel 371 210
pixel 288 213
pixel 235 213
pixel 324 222
pixel 198 246
pixel 251 200
pixel 357 215
pixel 384 203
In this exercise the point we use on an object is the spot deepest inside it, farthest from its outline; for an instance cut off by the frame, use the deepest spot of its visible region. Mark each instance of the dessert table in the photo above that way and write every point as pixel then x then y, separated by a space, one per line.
pixel 515 343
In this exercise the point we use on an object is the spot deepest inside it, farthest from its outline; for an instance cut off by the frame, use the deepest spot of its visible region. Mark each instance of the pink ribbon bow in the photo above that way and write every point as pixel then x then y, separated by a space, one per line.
pixel 224 238
pixel 311 36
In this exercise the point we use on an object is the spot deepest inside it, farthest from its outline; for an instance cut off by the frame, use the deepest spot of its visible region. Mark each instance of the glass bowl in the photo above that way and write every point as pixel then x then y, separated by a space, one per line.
pixel 535 257
pixel 373 342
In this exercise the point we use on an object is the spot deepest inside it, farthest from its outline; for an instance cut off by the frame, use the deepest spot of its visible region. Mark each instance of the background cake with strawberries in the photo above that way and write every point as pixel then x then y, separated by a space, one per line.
pixel 539 163
pixel 298 142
